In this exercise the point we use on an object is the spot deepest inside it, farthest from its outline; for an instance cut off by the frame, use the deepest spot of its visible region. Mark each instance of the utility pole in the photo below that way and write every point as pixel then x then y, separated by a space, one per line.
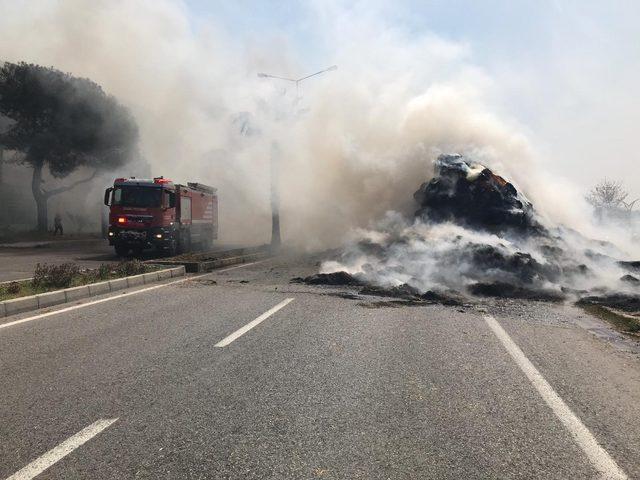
pixel 2 190
pixel 275 152
pixel 275 198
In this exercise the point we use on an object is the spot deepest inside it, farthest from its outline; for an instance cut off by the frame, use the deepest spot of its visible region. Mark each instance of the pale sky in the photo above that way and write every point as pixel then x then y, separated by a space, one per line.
pixel 566 71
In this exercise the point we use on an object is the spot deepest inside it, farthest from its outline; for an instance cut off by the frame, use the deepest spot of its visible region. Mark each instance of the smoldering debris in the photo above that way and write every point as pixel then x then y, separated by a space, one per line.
pixel 630 279
pixel 500 289
pixel 475 234
pixel 404 292
pixel 469 194
pixel 335 278
pixel 630 266
pixel 407 292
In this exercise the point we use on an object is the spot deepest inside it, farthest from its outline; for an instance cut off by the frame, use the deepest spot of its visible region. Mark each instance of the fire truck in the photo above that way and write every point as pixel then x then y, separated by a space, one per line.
pixel 156 213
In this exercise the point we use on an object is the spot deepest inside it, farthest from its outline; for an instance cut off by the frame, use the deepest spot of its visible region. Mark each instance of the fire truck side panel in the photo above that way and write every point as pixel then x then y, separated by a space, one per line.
pixel 199 215
pixel 177 218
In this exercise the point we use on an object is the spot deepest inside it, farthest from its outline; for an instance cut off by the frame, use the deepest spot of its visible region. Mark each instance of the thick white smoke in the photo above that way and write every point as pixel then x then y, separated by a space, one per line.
pixel 445 257
pixel 358 143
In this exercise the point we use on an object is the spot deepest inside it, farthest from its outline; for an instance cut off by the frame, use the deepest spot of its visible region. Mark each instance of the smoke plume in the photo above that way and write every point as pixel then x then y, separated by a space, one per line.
pixel 355 146
pixel 475 233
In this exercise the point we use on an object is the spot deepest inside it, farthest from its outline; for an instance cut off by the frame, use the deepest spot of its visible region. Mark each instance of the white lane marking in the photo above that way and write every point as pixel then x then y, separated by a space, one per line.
pixel 108 299
pixel 241 331
pixel 56 454
pixel 598 456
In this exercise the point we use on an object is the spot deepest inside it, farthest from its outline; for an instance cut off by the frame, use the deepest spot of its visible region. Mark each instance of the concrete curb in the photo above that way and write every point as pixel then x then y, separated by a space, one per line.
pixel 58 297
pixel 222 258
pixel 225 262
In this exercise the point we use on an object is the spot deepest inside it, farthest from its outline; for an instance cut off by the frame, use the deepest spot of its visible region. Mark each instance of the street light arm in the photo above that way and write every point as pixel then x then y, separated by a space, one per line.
pixel 266 75
pixel 331 68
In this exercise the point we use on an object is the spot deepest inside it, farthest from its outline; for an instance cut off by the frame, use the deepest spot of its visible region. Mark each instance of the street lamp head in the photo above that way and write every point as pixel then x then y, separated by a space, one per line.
pixel 262 75
pixel 332 68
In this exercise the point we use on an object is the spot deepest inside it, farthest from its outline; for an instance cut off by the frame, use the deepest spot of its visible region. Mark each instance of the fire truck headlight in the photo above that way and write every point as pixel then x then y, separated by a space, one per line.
pixel 158 235
pixel 111 234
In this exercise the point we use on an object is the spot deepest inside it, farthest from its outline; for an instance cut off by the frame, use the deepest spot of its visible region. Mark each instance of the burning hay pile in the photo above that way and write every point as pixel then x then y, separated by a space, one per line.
pixel 475 233
pixel 471 195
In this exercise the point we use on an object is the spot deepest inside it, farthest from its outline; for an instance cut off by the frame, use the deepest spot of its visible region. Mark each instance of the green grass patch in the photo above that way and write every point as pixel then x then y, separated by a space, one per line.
pixel 624 323
pixel 47 278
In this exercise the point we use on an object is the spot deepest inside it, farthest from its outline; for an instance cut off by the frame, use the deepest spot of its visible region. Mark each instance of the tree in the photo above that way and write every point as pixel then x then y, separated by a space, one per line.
pixel 4 125
pixel 63 123
pixel 609 195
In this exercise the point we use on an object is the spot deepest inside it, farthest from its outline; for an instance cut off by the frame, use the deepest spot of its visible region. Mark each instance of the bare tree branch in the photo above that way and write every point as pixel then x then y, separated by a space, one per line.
pixel 56 191
pixel 608 194
pixel 629 205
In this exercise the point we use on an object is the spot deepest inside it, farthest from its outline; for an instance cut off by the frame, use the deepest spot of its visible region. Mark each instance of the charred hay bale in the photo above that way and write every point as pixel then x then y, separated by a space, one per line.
pixel 497 263
pixel 630 266
pixel 630 279
pixel 468 193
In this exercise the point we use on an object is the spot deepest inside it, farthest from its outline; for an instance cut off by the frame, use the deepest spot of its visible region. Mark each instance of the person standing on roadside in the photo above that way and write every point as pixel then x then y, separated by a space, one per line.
pixel 57 224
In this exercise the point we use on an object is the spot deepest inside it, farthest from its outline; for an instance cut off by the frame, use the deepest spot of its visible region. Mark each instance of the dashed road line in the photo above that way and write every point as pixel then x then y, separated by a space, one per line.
pixel 241 331
pixel 56 454
pixel 598 456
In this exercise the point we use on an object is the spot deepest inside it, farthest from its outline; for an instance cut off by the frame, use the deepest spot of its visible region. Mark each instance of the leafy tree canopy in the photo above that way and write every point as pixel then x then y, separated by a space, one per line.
pixel 63 121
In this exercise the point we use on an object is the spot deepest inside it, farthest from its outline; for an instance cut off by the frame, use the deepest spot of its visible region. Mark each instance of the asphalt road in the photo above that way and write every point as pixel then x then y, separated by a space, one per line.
pixel 324 387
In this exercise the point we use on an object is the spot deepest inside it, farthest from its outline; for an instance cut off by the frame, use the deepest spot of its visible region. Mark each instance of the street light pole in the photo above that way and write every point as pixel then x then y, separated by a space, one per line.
pixel 275 152
pixel 275 198
pixel 297 81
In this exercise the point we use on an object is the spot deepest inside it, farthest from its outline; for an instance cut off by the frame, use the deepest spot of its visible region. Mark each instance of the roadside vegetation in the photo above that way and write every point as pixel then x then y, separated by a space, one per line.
pixel 47 278
pixel 623 322
pixel 57 124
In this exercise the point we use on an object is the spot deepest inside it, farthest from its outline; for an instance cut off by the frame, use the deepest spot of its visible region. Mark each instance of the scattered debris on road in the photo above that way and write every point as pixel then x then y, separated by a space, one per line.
pixel 335 278
pixel 403 292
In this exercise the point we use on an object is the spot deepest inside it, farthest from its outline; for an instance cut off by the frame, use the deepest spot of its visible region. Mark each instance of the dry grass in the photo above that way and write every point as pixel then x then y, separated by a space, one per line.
pixel 47 278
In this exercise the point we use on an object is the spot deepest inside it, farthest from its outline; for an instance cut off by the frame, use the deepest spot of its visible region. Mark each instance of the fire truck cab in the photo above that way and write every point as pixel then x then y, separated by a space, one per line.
pixel 156 213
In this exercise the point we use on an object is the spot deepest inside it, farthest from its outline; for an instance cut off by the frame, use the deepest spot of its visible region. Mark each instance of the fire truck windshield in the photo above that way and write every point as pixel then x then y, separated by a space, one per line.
pixel 137 196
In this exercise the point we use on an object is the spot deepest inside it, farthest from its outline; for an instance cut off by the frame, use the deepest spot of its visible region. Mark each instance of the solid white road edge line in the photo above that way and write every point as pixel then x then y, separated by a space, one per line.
pixel 241 331
pixel 115 297
pixel 598 456
pixel 56 454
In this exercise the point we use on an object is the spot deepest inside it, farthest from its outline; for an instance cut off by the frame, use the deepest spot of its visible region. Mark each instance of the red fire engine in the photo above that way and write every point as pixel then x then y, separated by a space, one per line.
pixel 158 213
